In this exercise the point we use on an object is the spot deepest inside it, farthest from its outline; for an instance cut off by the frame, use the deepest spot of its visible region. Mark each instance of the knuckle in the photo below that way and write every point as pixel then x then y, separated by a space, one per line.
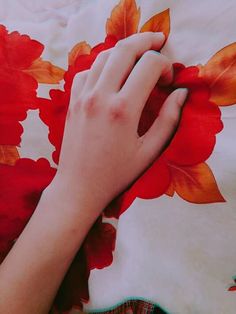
pixel 161 62
pixel 116 113
pixel 91 102
pixel 92 97
pixel 125 45
pixel 167 65
pixel 118 110
pixel 158 58
pixel 149 54
pixel 151 57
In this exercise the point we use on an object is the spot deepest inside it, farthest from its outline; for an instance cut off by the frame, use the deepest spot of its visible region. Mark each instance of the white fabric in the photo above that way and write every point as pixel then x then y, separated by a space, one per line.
pixel 174 253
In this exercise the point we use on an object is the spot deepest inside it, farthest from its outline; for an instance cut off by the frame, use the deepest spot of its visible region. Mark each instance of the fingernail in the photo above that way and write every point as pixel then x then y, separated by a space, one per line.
pixel 182 95
pixel 158 53
pixel 160 34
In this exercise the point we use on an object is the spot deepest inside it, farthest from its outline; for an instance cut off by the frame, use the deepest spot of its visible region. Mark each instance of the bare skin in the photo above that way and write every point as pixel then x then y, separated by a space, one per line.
pixel 101 155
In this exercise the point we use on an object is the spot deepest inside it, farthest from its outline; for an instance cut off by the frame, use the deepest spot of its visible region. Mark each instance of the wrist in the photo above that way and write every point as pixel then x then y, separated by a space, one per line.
pixel 72 199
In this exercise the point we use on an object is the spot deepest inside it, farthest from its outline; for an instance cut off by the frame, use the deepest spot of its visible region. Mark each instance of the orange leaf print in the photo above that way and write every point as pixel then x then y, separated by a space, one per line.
pixel 195 184
pixel 158 23
pixel 45 72
pixel 124 19
pixel 220 74
pixel 81 48
pixel 8 155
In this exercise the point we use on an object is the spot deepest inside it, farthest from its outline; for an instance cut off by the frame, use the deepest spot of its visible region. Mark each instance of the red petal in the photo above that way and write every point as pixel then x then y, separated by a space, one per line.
pixel 20 190
pixel 53 113
pixel 18 51
pixel 152 184
pixel 74 288
pixel 17 89
pixel 17 95
pixel 192 144
pixel 96 252
pixel 99 245
pixel 201 120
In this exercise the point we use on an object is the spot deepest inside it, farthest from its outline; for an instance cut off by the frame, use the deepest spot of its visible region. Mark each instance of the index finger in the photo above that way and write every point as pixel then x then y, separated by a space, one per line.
pixel 123 57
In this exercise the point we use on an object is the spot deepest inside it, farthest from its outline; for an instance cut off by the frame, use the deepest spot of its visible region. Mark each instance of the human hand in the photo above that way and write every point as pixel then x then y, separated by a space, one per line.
pixel 101 155
pixel 102 152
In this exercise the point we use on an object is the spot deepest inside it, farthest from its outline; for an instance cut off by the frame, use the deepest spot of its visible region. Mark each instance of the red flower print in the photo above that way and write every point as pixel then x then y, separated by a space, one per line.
pixel 20 71
pixel 17 51
pixel 192 144
pixel 181 169
pixel 96 252
pixel 17 89
pixel 21 186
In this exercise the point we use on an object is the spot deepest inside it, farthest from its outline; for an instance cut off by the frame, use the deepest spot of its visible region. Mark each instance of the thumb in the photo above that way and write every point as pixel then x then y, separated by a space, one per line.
pixel 163 128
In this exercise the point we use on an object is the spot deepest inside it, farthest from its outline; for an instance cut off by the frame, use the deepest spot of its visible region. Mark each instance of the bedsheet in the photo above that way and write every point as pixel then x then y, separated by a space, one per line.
pixel 169 240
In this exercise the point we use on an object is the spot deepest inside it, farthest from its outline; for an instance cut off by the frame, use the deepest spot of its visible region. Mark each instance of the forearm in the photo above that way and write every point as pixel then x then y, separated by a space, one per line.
pixel 33 270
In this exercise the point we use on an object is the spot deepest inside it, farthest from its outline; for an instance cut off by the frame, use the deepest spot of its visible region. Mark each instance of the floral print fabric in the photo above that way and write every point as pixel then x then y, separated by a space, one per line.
pixel 182 169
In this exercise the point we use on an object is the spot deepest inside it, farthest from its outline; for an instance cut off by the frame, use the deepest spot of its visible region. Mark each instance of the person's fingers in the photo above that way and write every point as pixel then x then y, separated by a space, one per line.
pixel 163 128
pixel 77 87
pixel 97 67
pixel 123 58
pixel 149 69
